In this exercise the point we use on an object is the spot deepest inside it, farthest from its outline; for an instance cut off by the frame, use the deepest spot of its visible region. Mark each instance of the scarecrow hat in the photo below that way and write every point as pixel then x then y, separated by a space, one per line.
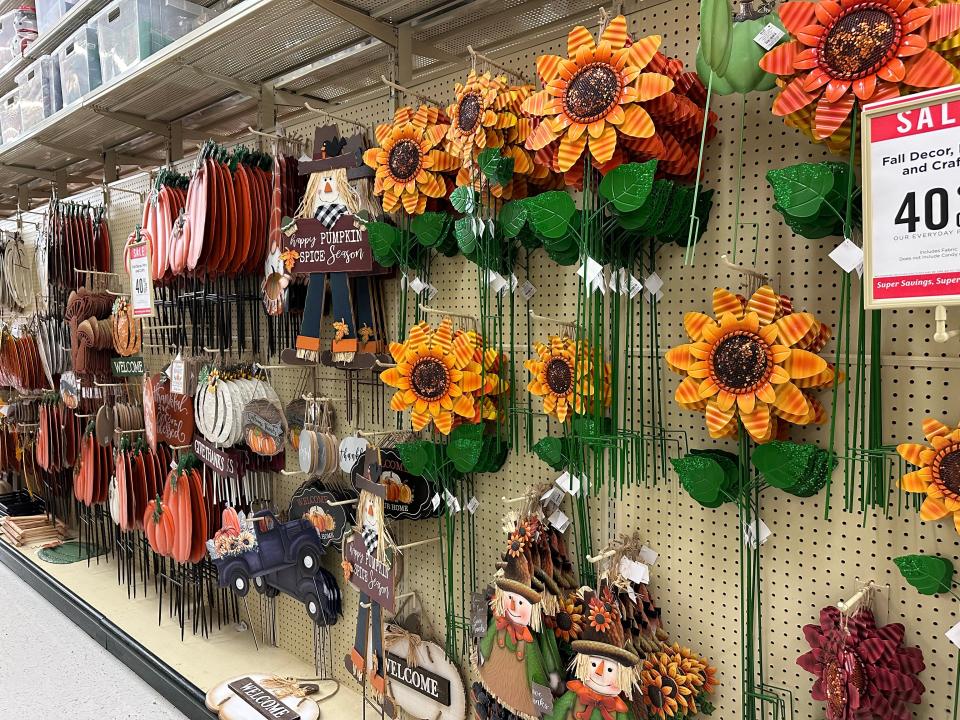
pixel 332 152
pixel 517 578
pixel 602 632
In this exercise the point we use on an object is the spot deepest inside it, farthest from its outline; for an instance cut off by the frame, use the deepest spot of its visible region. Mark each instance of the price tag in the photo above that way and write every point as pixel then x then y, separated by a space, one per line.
pixel 911 203
pixel 431 292
pixel 176 373
pixel 526 290
pixel 452 501
pixel 472 505
pixel 559 520
pixel 648 555
pixel 635 287
pixel 542 698
pixel 141 284
pixel 478 615
pixel 769 36
pixel 635 572
pixel 570 484
pixel 953 634
pixel 750 534
pixel 418 285
pixel 653 283
pixel 848 256
pixel 553 496
pixel 435 501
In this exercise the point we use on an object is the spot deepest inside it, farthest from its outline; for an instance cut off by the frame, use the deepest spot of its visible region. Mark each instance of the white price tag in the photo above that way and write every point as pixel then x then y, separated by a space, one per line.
pixel 847 255
pixel 650 298
pixel 953 634
pixel 559 520
pixel 553 496
pixel 431 292
pixel 435 501
pixel 418 285
pixel 635 287
pixel 649 555
pixel 141 283
pixel 452 501
pixel 634 571
pixel 176 374
pixel 592 272
pixel 472 505
pixel 750 534
pixel 497 282
pixel 653 283
pixel 769 36
pixel 570 484
pixel 526 290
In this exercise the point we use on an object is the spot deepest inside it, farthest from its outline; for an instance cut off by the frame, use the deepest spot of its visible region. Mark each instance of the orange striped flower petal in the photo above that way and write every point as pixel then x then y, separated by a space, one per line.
pixel 579 38
pixel 419 420
pixel 548 67
pixel 615 33
pixel 464 406
pixel 911 452
pixel 390 201
pixel 725 400
pixel 679 358
pixel 932 509
pixel 796 14
pixel 746 402
pixel 792 98
pixel 410 202
pixel 778 376
pixel 934 428
pixel 810 35
pixel 725 301
pixel 694 322
pixel 835 90
pixel 779 61
pixel 717 419
pixel 792 328
pixel 791 400
pixel 807 60
pixel 570 151
pixel 826 11
pixel 541 103
pixel 944 21
pixel 928 70
pixel 653 85
pixel 940 442
pixel 397 402
pixel 708 388
pixel 700 350
pixel 768 333
pixel 637 122
pixel 757 423
pixel 764 302
pixel 821 379
pixel 688 392
pixel 780 353
pixel 602 147
pixel 642 51
pixel 766 393
pixel 917 17
pixel 804 364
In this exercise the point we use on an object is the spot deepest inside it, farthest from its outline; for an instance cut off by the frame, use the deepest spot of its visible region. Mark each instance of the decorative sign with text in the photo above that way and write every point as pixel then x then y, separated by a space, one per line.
pixel 313 502
pixel 229 463
pixel 418 678
pixel 345 247
pixel 262 700
pixel 174 415
pixel 370 576
pixel 408 496
pixel 127 366
pixel 911 200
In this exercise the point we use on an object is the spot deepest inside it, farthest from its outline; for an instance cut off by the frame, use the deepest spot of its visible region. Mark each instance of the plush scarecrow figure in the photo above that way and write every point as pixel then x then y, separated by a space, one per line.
pixel 604 671
pixel 509 656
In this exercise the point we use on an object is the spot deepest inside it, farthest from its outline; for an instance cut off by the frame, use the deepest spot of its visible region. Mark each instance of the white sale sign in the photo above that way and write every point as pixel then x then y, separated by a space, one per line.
pixel 141 283
pixel 911 192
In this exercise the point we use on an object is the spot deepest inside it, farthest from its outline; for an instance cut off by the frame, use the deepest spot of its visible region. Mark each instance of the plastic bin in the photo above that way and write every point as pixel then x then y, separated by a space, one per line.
pixel 49 13
pixel 10 121
pixel 79 61
pixel 40 95
pixel 8 36
pixel 129 31
pixel 25 28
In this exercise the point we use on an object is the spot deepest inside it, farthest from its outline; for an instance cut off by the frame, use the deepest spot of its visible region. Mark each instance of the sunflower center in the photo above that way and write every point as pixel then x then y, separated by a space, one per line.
pixel 592 92
pixel 430 379
pixel 404 159
pixel 469 114
pixel 860 42
pixel 836 682
pixel 740 362
pixel 948 468
pixel 559 376
pixel 564 621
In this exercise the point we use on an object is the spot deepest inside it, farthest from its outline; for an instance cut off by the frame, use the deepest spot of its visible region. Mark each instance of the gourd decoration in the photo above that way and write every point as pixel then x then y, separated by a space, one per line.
pixel 735 64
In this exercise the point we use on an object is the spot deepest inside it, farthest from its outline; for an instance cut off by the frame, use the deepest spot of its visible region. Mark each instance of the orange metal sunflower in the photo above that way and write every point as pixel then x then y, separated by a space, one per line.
pixel 858 50
pixel 753 363
pixel 593 96
pixel 939 473
pixel 409 164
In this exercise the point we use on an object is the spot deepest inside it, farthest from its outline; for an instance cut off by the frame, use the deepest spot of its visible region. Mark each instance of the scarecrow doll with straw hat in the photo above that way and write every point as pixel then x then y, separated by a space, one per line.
pixel 604 670
pixel 509 659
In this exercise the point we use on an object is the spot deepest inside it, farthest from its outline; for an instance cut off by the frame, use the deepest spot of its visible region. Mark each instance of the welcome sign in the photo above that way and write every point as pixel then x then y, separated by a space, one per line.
pixel 345 247
pixel 262 700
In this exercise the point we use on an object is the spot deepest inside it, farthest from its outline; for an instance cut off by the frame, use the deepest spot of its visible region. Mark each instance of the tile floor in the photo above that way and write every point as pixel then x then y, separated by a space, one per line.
pixel 53 669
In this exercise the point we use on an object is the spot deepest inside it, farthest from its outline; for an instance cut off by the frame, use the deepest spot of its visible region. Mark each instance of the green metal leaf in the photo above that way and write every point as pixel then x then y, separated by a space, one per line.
pixel 464 447
pixel 429 228
pixel 463 230
pixel 783 464
pixel 929 574
pixel 464 199
pixel 800 190
pixel 550 213
pixel 553 451
pixel 628 186
pixel 384 243
pixel 513 216
pixel 495 167
pixel 703 479
pixel 416 456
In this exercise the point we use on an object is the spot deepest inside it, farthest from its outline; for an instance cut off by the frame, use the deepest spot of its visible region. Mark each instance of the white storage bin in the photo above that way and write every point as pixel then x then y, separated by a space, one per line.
pixel 49 13
pixel 39 92
pixel 172 19
pixel 8 36
pixel 10 116
pixel 79 61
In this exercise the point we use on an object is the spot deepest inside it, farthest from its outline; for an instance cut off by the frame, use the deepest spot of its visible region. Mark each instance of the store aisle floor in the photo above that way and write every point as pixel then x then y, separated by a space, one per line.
pixel 50 668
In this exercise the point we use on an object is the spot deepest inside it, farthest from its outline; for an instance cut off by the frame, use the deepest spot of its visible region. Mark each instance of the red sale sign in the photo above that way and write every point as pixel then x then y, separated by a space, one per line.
pixel 911 200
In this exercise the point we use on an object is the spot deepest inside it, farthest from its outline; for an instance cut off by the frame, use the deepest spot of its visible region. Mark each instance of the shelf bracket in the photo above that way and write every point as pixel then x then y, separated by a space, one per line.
pixel 258 92
pixel 156 127
pixel 121 158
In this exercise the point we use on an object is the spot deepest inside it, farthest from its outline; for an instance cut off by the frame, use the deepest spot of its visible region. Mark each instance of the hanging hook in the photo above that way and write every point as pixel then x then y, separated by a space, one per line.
pixel 330 115
pixel 476 55
pixel 408 91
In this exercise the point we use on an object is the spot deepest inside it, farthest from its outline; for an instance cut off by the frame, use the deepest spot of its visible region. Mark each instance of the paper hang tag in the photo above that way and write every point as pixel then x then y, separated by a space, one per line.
pixel 478 615
pixel 653 283
pixel 635 287
pixel 570 484
pixel 635 572
pixel 953 635
pixel 418 285
pixel 631 593
pixel 435 501
pixel 648 555
pixel 526 290
pixel 497 282
pixel 552 497
pixel 431 292
pixel 750 536
pixel 176 373
pixel 472 505
pixel 592 272
pixel 848 255
pixel 288 226
pixel 452 501
pixel 769 36
pixel 559 520
pixel 649 298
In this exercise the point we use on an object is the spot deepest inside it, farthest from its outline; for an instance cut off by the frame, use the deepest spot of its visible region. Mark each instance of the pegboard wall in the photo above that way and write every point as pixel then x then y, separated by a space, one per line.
pixel 809 562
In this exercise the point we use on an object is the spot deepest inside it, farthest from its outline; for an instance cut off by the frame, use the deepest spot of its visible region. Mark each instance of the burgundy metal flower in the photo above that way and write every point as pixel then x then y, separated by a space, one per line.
pixel 863 671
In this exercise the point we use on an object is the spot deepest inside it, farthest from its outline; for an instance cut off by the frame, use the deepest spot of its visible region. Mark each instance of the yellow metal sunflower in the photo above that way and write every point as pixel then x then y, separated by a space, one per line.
pixel 487 362
pixel 563 375
pixel 702 675
pixel 594 94
pixel 754 363
pixel 939 473
pixel 409 164
pixel 668 691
